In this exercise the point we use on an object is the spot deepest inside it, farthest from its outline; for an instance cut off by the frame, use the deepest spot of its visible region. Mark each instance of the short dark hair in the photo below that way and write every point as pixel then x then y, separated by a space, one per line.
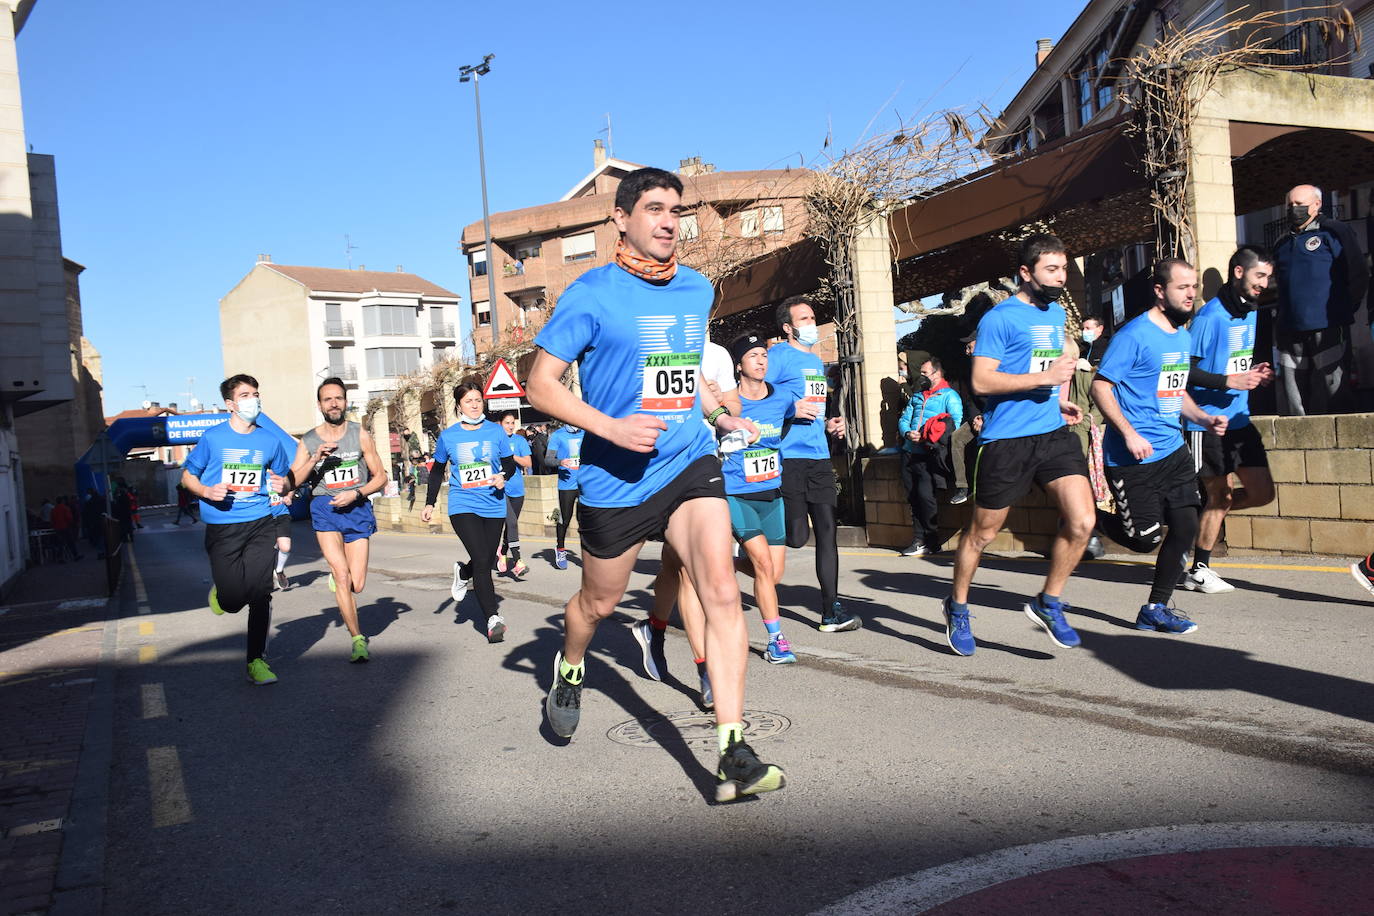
pixel 460 390
pixel 784 313
pixel 1247 256
pixel 934 363
pixel 508 413
pixel 633 186
pixel 1087 318
pixel 330 381
pixel 1041 243
pixel 1164 270
pixel 226 387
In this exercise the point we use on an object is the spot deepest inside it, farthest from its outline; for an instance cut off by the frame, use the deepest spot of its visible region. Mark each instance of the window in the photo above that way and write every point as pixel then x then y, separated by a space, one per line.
pixel 382 395
pixel 479 262
pixel 748 223
pixel 333 312
pixel 389 320
pixel 336 360
pixel 527 249
pixel 579 247
pixel 772 219
pixel 483 315
pixel 687 228
pixel 389 362
pixel 436 316
pixel 1085 97
pixel 442 353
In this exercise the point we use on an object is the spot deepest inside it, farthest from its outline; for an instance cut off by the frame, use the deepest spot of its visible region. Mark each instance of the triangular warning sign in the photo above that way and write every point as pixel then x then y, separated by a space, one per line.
pixel 501 383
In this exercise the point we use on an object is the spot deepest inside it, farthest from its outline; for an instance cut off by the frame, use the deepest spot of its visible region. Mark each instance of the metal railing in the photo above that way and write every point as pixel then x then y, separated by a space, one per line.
pixel 338 329
pixel 441 330
pixel 1304 46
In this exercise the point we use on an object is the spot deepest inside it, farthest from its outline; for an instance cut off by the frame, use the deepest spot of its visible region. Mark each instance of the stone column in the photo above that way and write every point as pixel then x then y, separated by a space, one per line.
pixel 1212 201
pixel 873 301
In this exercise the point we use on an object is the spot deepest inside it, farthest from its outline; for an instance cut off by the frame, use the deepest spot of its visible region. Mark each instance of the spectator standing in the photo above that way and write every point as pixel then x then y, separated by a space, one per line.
pixel 1322 281
pixel 64 523
pixel 932 413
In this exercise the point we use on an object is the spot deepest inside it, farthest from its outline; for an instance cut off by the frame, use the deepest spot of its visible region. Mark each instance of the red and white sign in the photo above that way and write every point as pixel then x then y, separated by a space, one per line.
pixel 502 383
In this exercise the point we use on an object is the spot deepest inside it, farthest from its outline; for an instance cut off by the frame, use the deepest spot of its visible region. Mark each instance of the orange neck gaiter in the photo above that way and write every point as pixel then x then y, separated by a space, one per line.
pixel 650 269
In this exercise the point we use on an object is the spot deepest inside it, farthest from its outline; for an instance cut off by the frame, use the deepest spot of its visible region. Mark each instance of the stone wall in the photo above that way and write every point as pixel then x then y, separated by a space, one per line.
pixel 541 498
pixel 1323 477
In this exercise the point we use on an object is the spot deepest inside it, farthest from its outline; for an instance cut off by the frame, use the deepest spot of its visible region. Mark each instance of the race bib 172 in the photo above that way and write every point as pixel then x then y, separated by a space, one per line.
pixel 670 381
pixel 243 478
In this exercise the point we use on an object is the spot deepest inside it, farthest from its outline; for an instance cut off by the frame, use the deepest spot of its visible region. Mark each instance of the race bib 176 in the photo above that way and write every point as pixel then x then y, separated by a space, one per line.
pixel 761 464
pixel 670 381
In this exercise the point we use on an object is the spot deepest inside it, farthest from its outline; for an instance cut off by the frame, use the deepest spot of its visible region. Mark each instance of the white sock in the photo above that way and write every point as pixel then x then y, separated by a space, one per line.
pixel 282 557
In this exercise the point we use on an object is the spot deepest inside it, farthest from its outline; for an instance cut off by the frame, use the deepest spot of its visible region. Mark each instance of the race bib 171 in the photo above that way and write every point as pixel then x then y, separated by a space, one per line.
pixel 344 474
pixel 243 478
pixel 670 381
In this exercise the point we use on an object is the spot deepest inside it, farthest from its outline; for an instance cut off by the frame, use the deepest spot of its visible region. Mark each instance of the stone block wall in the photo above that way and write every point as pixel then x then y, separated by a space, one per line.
pixel 541 498
pixel 1324 504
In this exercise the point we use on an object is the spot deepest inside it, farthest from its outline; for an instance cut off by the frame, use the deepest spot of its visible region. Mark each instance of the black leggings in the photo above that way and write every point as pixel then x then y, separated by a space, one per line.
pixel 1182 524
pixel 241 558
pixel 510 535
pixel 567 499
pixel 827 550
pixel 480 537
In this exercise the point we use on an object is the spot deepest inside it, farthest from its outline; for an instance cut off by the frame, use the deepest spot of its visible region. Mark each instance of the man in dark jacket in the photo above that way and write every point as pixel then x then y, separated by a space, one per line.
pixel 1322 281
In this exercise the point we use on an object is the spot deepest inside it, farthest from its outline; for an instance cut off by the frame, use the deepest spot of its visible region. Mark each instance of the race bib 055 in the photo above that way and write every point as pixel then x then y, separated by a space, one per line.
pixel 670 381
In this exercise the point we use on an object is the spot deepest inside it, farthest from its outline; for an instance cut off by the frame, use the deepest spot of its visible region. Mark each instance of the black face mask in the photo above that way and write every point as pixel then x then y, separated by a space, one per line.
pixel 922 383
pixel 1297 216
pixel 1048 294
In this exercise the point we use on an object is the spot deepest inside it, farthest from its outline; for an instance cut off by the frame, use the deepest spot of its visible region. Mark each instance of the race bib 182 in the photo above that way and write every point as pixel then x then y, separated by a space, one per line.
pixel 670 381
pixel 815 388
pixel 243 478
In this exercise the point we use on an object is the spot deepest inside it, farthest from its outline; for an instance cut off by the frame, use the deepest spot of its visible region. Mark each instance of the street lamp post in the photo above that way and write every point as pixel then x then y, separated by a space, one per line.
pixel 472 73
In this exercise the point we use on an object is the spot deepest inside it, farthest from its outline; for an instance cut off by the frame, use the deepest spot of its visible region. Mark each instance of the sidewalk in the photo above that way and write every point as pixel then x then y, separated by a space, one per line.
pixel 52 633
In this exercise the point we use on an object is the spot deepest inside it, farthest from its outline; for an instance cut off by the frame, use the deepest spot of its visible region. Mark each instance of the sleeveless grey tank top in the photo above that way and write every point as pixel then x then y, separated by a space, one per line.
pixel 343 470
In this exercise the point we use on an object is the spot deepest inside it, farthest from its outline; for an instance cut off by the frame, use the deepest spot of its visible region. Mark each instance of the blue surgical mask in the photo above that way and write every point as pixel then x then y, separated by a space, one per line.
pixel 1089 336
pixel 248 409
pixel 807 335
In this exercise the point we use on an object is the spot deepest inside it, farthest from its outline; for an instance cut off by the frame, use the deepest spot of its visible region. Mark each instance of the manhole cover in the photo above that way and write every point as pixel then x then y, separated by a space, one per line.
pixel 695 729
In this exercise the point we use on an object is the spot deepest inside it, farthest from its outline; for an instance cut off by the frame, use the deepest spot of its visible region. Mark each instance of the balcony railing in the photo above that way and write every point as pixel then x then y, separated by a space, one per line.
pixel 347 372
pixel 1302 46
pixel 441 332
pixel 338 329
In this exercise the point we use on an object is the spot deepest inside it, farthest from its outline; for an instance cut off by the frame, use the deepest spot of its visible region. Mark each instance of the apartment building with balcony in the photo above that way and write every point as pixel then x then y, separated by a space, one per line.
pixel 729 218
pixel 291 327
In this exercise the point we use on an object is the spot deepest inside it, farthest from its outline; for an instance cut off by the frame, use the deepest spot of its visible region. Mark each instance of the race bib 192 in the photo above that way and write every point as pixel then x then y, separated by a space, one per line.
pixel 670 381
pixel 477 474
pixel 243 478
pixel 344 474
pixel 1240 361
pixel 761 464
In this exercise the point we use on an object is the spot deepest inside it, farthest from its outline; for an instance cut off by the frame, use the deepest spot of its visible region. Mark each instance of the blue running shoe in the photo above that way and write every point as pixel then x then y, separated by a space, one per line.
pixel 1050 616
pixel 1164 619
pixel 779 651
pixel 839 620
pixel 958 633
pixel 560 558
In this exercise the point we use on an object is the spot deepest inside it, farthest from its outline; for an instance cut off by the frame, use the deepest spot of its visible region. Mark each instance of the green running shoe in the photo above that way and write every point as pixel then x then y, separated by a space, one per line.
pixel 260 674
pixel 214 603
pixel 359 649
pixel 742 773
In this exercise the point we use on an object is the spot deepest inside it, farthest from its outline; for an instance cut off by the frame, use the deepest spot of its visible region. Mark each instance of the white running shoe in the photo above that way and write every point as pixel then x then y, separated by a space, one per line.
pixel 496 628
pixel 460 585
pixel 1204 580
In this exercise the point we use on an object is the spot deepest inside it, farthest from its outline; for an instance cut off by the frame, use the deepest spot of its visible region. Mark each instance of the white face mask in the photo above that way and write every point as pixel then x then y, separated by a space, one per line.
pixel 807 335
pixel 248 409
pixel 1089 335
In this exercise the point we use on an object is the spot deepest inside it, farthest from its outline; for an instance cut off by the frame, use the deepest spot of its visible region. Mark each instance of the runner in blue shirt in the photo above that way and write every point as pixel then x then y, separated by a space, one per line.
pixel 1223 373
pixel 509 555
pixel 1141 389
pixel 480 454
pixel 1020 366
pixel 564 452
pixel 636 328
pixel 809 489
pixel 233 469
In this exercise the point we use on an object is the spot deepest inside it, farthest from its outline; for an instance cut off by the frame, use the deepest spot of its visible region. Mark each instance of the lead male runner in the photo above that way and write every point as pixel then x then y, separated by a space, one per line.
pixel 637 327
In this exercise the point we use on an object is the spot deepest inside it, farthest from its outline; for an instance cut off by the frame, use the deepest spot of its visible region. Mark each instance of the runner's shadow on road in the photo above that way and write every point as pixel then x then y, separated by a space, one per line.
pixel 293 638
pixel 1180 664
pixel 605 661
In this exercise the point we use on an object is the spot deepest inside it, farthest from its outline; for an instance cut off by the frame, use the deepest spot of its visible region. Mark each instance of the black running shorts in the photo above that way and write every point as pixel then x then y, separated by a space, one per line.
pixel 1144 492
pixel 283 524
pixel 1217 456
pixel 1006 468
pixel 808 480
pixel 608 533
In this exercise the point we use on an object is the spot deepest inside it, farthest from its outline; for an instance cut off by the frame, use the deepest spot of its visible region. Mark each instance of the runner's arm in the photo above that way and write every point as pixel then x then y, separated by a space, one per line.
pixel 637 432
pixel 988 380
pixel 436 482
pixel 211 494
pixel 1215 422
pixel 1105 398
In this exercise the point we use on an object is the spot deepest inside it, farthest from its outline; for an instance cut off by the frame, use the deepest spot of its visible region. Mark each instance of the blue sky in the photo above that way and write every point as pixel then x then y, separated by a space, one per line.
pixel 191 136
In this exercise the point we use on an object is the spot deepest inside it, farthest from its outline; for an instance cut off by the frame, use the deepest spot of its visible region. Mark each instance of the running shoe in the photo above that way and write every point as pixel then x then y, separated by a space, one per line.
pixel 1202 579
pixel 460 584
pixel 560 558
pixel 564 703
pixel 1095 549
pixel 742 773
pixel 519 570
pixel 1050 616
pixel 283 583
pixel 1363 574
pixel 959 496
pixel 779 651
pixel 496 628
pixel 708 699
pixel 915 549
pixel 1163 618
pixel 214 602
pixel 839 620
pixel 958 632
pixel 332 586
pixel 260 674
pixel 501 561
pixel 651 649
pixel 359 649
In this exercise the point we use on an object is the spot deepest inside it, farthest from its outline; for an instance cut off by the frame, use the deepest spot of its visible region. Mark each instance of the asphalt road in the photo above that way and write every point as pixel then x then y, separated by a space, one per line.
pixel 425 781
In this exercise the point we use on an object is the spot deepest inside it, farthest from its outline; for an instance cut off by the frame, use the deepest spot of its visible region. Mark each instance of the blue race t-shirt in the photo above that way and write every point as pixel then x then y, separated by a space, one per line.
pixel 242 461
pixel 1023 338
pixel 520 448
pixel 758 466
pixel 1226 346
pixel 289 443
pixel 638 346
pixel 1148 369
pixel 800 375
pixel 566 445
pixel 474 459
